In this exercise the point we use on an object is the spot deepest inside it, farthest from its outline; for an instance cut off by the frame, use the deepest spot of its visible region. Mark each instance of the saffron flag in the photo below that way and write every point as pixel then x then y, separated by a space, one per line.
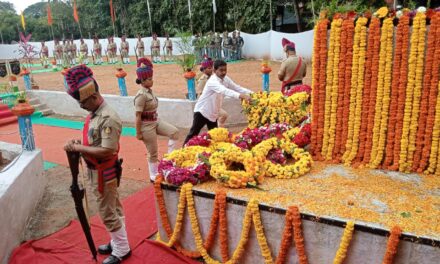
pixel 75 12
pixel 23 23
pixel 49 15
pixel 112 11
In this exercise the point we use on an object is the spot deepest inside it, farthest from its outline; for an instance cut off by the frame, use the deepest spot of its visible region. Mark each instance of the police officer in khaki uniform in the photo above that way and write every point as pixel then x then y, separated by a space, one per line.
pixel 140 47
pixel 97 51
pixel 44 55
pixel 168 46
pixel 73 50
pixel 206 68
pixel 148 126
pixel 155 49
pixel 58 52
pixel 66 52
pixel 84 49
pixel 125 47
pixel 293 68
pixel 99 148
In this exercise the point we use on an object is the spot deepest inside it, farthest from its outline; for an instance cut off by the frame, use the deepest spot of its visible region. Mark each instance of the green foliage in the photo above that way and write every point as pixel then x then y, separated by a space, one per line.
pixel 187 60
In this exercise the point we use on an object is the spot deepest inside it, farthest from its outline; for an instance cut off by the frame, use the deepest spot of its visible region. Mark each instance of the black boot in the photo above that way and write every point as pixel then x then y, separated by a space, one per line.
pixel 105 249
pixel 116 260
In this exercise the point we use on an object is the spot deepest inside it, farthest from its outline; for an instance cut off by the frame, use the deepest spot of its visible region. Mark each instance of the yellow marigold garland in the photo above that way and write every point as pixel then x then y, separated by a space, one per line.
pixel 303 159
pixel 219 134
pixel 434 155
pixel 357 84
pixel 345 242
pixel 413 92
pixel 331 96
pixel 383 93
pixel 186 157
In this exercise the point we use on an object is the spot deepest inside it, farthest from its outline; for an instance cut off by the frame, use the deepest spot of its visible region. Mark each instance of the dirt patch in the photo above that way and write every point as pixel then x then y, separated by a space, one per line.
pixel 56 209
pixel 168 79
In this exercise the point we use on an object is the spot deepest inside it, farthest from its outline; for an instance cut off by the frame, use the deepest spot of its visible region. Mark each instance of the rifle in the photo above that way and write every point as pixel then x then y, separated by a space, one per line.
pixel 78 194
pixel 93 56
pixel 135 53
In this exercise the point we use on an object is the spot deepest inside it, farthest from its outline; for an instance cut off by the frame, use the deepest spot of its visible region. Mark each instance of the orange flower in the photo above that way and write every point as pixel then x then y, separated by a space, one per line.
pixel 297 235
pixel 393 242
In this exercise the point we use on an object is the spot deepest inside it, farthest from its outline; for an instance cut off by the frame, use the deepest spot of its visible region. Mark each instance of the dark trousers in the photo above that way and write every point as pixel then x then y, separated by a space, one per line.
pixel 199 122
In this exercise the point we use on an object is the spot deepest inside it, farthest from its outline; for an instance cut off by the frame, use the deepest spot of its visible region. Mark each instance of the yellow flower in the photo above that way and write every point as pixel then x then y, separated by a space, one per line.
pixel 434 161
pixel 382 12
pixel 345 242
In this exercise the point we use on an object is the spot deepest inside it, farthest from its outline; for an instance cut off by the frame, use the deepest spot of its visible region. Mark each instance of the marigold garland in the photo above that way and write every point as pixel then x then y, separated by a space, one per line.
pixel 322 84
pixel 429 133
pixel 331 95
pixel 434 155
pixel 413 93
pixel 374 30
pixel 315 84
pixel 397 62
pixel 393 242
pixel 345 242
pixel 286 240
pixel 297 235
pixel 357 84
pixel 383 93
pixel 404 22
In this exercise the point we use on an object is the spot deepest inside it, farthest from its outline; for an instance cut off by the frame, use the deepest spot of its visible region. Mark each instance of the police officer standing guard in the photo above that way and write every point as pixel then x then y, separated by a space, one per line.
pixel 97 50
pixel 125 47
pixel 58 52
pixel 140 47
pixel 84 52
pixel 168 48
pixel 44 54
pixel 99 148
pixel 155 49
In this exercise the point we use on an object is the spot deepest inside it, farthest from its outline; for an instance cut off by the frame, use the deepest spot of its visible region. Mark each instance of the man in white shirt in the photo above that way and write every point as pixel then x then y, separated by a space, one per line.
pixel 208 105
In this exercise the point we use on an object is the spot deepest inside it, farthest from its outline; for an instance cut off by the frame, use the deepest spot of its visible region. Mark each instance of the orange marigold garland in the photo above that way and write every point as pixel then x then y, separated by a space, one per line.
pixel 433 90
pixel 315 86
pixel 372 38
pixel 166 222
pixel 347 86
pixel 297 235
pixel 322 85
pixel 286 240
pixel 404 22
pixel 397 62
pixel 393 242
pixel 434 155
pixel 341 90
pixel 375 31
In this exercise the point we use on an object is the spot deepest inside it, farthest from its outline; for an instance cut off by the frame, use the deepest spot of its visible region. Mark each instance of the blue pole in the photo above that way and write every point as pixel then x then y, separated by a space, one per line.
pixel 191 89
pixel 266 82
pixel 27 82
pixel 122 86
pixel 26 132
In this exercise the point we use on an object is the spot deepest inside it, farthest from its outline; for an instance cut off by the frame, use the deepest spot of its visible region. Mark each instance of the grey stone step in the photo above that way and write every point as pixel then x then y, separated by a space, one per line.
pixel 34 101
pixel 47 112
pixel 40 107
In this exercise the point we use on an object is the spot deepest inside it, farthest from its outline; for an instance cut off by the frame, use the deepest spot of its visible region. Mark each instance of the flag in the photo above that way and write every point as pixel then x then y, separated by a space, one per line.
pixel 49 15
pixel 23 23
pixel 112 11
pixel 75 12
pixel 214 7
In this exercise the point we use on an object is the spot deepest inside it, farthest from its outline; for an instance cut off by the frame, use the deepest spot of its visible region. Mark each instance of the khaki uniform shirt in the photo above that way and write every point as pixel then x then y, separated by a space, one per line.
pixel 73 48
pixel 59 49
pixel 155 44
pixel 66 48
pixel 45 51
pixel 124 46
pixel 84 48
pixel 105 128
pixel 288 67
pixel 201 83
pixel 145 101
pixel 113 47
pixel 97 47
pixel 140 45
pixel 169 44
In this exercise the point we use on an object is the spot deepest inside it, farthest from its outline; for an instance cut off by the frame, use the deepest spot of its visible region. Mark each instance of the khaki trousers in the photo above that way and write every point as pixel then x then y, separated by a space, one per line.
pixel 109 205
pixel 150 130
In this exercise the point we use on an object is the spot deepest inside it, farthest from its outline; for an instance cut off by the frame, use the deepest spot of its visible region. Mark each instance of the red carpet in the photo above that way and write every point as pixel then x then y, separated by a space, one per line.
pixel 69 245
pixel 52 139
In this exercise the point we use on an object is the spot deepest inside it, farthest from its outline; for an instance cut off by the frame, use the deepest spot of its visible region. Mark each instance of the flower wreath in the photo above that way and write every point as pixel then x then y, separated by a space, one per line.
pixel 229 155
pixel 186 165
pixel 302 164
pixel 216 135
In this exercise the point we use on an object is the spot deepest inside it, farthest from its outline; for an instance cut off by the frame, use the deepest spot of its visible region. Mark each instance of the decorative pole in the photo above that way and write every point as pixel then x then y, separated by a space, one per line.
pixel 26 78
pixel 120 74
pixel 191 84
pixel 24 111
pixel 265 70
pixel 64 72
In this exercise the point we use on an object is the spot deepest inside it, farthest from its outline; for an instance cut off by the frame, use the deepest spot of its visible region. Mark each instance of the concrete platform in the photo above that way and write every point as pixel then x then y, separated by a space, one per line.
pixel 322 235
pixel 21 187
pixel 178 112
